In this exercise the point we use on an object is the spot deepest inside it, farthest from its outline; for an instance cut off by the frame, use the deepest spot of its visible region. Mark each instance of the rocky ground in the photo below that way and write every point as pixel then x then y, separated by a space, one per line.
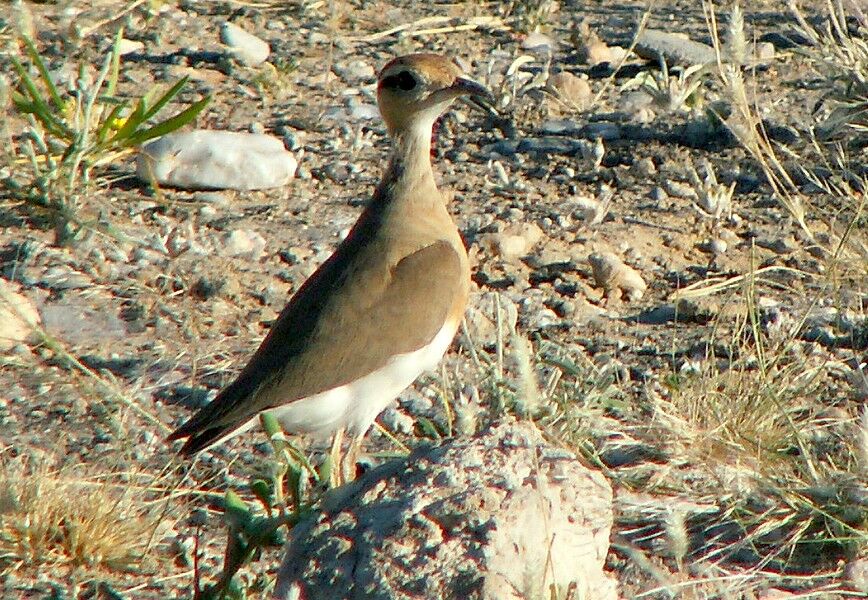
pixel 729 419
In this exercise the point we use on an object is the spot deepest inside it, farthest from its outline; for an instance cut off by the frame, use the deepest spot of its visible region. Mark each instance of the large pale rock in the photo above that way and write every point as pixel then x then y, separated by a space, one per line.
pixel 245 47
pixel 207 159
pixel 503 515
pixel 18 316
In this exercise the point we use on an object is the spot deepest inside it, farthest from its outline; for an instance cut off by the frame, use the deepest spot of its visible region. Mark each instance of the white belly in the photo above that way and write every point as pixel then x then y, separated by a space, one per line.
pixel 355 406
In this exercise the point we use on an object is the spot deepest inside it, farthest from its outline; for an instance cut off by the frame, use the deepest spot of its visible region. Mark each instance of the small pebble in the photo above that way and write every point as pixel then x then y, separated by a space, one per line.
pixel 573 90
pixel 613 275
pixel 538 42
pixel 130 47
pixel 244 242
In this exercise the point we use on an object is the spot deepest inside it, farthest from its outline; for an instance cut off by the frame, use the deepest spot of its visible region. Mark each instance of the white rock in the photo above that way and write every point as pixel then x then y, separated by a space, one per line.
pixel 245 47
pixel 244 242
pixel 503 515
pixel 130 46
pixel 364 112
pixel 18 316
pixel 613 275
pixel 717 246
pixel 207 159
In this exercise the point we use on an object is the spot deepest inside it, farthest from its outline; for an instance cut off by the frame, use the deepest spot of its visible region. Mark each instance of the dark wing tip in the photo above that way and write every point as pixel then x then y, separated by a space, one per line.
pixel 198 438
pixel 196 441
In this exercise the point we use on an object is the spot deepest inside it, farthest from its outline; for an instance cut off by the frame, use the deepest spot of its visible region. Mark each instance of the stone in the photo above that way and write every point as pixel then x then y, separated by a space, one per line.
pixel 75 322
pixel 675 48
pixel 245 47
pixel 482 319
pixel 18 317
pixel 764 52
pixel 645 167
pixel 513 242
pixel 538 42
pixel 592 49
pixel 244 242
pixel 856 573
pixel 130 47
pixel 548 145
pixel 502 515
pixel 615 277
pixel 590 210
pixel 355 71
pixel 210 159
pixel 572 90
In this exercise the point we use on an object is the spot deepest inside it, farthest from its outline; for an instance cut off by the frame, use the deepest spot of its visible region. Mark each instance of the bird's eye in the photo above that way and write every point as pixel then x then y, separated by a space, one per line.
pixel 402 81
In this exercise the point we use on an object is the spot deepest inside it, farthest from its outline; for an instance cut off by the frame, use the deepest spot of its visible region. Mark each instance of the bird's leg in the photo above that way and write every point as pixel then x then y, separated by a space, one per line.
pixel 348 467
pixel 335 474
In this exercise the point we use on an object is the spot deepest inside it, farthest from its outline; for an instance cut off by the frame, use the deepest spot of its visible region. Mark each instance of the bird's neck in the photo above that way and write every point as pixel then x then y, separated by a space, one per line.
pixel 409 176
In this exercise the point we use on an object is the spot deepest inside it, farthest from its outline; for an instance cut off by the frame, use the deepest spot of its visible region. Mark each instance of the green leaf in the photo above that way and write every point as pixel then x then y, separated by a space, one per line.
pixel 263 493
pixel 166 98
pixel 236 512
pixel 106 125
pixel 39 107
pixel 170 124
pixel 116 63
pixel 132 123
pixel 270 424
pixel 428 428
pixel 43 72
pixel 325 469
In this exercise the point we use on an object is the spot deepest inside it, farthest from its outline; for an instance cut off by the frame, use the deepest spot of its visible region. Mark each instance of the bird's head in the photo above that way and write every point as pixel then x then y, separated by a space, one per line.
pixel 414 90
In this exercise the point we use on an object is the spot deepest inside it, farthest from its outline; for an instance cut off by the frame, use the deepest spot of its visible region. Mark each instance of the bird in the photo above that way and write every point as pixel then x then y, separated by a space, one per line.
pixel 382 309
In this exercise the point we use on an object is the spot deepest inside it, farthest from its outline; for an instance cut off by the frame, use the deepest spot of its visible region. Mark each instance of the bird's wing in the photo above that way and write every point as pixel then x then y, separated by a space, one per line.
pixel 314 344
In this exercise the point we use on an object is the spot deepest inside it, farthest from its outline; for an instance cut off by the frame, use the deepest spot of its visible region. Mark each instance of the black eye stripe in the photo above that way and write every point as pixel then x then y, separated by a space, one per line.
pixel 403 81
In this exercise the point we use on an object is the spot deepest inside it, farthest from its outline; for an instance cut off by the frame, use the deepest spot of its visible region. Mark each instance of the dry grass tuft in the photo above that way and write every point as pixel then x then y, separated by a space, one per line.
pixel 52 518
pixel 759 429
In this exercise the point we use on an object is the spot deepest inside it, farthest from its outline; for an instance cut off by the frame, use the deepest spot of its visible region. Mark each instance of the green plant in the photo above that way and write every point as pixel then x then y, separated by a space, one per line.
pixel 68 136
pixel 284 497
pixel 670 92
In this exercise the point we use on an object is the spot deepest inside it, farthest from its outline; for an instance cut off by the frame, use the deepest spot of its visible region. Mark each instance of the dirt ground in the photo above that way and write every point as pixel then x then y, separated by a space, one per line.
pixel 149 322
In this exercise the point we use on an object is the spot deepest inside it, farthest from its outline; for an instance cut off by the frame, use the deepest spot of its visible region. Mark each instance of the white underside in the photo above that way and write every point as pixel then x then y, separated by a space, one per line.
pixel 355 406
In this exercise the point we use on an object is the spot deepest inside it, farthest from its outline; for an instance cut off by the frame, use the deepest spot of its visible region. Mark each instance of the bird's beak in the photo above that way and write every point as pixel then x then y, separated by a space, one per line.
pixel 476 94
pixel 467 87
